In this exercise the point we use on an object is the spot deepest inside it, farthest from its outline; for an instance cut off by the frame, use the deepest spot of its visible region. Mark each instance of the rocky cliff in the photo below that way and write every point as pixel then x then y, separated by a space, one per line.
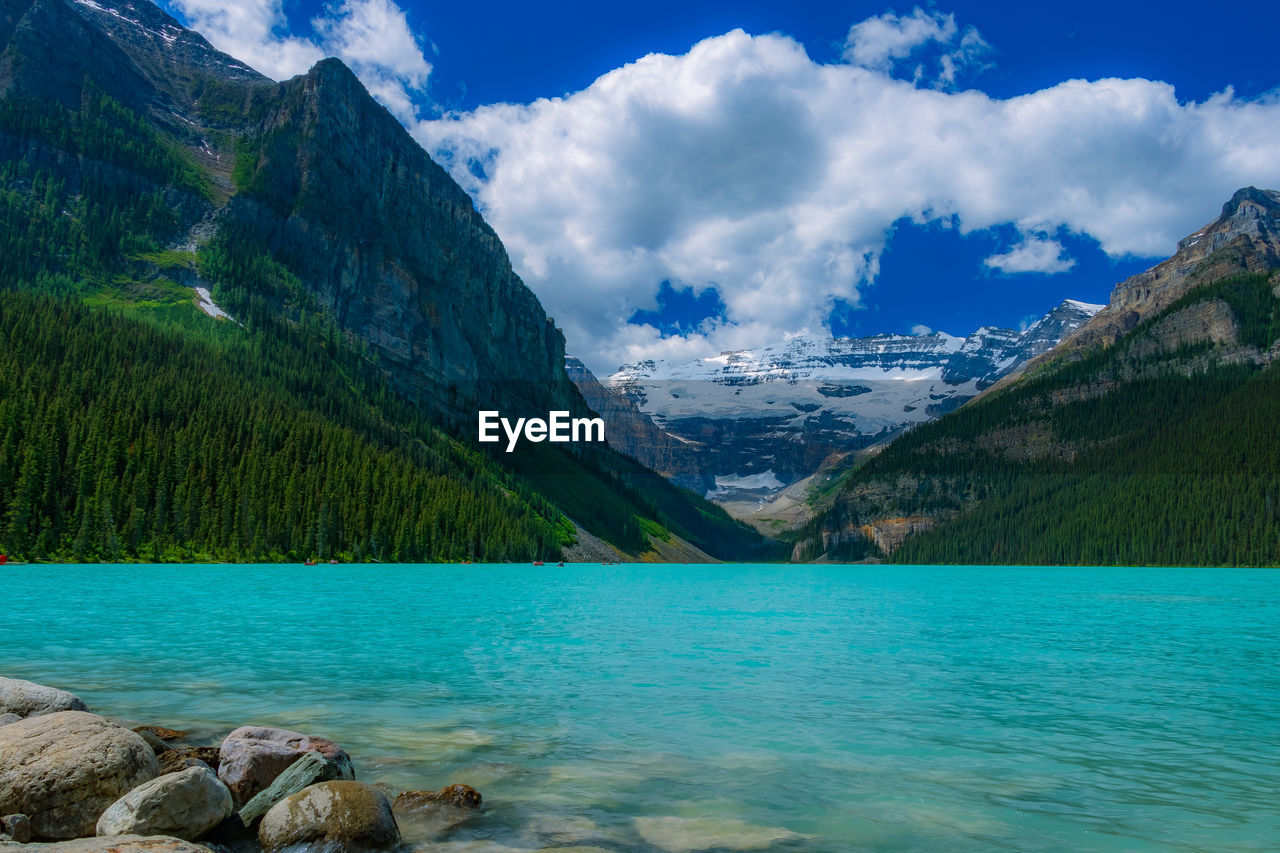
pixel 1244 238
pixel 317 175
pixel 384 239
pixel 634 433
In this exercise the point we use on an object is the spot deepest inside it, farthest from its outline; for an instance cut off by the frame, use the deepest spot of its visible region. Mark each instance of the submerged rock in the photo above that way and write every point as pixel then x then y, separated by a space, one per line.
pixel 28 699
pixel 157 745
pixel 433 813
pixel 64 769
pixel 185 805
pixel 311 768
pixel 252 757
pixel 456 796
pixel 161 732
pixel 342 815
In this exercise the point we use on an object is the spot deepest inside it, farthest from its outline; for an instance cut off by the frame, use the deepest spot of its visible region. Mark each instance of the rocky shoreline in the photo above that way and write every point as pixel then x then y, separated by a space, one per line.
pixel 72 781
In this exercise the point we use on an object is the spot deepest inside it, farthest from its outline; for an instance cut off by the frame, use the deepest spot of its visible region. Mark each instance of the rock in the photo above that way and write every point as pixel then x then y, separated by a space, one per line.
pixel 157 745
pixel 344 815
pixel 6 719
pixel 161 732
pixel 116 844
pixel 185 805
pixel 252 757
pixel 28 699
pixel 63 769
pixel 457 796
pixel 176 760
pixel 433 813
pixel 311 768
pixel 17 827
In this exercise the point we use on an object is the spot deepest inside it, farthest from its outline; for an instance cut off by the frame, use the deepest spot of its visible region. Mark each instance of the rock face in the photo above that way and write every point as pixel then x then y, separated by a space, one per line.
pixel 28 699
pixel 185 805
pixel 634 433
pixel 252 757
pixel 1248 227
pixel 758 420
pixel 327 182
pixel 64 769
pixel 385 238
pixel 311 768
pixel 341 815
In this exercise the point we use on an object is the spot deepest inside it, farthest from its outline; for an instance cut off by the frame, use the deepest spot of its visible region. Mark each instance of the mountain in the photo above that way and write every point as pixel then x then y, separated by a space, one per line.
pixel 761 419
pixel 1147 437
pixel 298 251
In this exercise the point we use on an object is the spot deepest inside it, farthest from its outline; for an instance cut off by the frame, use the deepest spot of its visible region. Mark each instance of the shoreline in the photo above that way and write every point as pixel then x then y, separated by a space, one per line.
pixel 76 781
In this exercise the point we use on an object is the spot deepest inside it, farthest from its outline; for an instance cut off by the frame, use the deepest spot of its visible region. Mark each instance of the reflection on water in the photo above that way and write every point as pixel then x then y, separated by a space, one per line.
pixel 672 709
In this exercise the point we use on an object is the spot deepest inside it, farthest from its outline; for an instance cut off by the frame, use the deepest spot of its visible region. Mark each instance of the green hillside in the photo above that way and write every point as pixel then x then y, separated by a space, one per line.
pixel 371 312
pixel 1141 453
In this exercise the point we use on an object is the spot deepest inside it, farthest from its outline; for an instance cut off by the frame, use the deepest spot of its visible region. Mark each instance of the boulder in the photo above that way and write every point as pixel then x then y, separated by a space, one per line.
pixel 456 796
pixel 6 719
pixel 17 827
pixel 116 844
pixel 311 768
pixel 28 699
pixel 184 805
pixel 342 815
pixel 252 757
pixel 63 769
pixel 175 760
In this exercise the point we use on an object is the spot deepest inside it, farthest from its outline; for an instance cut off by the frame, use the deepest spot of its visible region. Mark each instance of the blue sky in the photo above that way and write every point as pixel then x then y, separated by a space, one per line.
pixel 674 179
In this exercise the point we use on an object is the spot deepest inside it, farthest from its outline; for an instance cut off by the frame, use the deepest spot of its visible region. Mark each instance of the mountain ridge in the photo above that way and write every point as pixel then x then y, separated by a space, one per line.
pixel 1146 438
pixel 145 175
pixel 764 418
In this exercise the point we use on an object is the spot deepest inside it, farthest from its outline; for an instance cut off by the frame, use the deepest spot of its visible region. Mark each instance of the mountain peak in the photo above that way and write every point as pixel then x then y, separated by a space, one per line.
pixel 1267 200
pixel 1244 238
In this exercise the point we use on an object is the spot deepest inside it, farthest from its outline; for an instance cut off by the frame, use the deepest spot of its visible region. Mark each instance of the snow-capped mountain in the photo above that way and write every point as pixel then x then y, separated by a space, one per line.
pixel 766 417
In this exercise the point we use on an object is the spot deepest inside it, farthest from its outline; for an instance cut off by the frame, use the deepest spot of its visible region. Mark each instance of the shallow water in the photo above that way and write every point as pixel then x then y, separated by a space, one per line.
pixel 673 709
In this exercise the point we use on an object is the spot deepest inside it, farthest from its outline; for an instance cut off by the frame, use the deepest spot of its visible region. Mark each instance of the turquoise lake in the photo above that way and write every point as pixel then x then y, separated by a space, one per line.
pixel 672 709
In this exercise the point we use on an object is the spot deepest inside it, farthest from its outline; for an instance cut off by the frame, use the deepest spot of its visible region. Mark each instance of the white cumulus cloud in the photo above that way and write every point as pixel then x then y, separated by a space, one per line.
pixel 745 166
pixel 254 31
pixel 880 43
pixel 372 37
pixel 1036 253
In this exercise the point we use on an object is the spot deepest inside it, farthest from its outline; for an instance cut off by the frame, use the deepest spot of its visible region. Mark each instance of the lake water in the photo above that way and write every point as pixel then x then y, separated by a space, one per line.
pixel 672 709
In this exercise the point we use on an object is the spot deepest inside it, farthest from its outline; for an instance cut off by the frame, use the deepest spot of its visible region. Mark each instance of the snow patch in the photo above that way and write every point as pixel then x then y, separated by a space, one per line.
pixel 1087 307
pixel 168 38
pixel 207 306
pixel 734 483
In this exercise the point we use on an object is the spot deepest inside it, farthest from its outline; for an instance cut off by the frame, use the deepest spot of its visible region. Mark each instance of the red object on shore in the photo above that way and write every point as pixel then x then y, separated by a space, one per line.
pixel 3 559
